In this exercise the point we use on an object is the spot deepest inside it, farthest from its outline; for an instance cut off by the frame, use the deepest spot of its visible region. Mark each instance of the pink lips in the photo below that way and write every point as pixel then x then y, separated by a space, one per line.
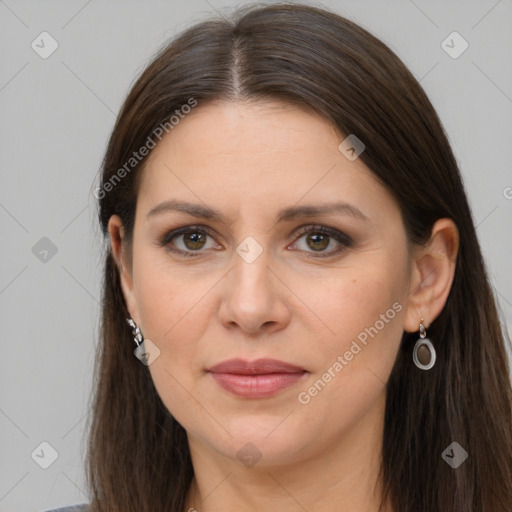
pixel 255 379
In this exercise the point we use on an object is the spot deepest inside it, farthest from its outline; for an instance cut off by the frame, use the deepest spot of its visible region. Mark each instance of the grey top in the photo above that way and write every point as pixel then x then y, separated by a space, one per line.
pixel 71 508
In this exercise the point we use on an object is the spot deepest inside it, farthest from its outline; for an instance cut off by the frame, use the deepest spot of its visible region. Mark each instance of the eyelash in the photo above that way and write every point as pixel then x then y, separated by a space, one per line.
pixel 341 238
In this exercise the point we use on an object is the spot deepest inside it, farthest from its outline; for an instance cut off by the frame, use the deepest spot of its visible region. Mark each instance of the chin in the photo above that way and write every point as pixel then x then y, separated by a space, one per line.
pixel 263 441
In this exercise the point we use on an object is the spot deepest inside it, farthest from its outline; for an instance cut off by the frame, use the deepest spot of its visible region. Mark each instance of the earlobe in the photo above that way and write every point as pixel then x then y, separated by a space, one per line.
pixel 432 275
pixel 117 239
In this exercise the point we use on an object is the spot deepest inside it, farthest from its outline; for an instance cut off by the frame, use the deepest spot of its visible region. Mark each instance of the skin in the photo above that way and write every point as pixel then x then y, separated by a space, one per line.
pixel 249 161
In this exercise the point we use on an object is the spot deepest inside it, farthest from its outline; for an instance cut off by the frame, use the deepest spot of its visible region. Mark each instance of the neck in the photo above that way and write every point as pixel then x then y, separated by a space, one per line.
pixel 341 477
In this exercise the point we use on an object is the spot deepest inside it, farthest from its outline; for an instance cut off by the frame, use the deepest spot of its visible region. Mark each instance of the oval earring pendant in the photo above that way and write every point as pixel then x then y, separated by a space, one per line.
pixel 424 354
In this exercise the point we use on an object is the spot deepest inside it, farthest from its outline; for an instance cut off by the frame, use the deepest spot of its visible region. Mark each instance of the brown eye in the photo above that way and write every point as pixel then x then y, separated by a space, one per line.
pixel 189 241
pixel 194 240
pixel 318 241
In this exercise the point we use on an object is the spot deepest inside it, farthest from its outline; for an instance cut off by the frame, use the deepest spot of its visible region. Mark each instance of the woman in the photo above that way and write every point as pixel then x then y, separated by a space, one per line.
pixel 292 259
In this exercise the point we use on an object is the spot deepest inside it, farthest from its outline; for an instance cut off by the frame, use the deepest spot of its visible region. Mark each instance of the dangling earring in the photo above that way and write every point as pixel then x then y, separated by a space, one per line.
pixel 137 335
pixel 146 350
pixel 424 353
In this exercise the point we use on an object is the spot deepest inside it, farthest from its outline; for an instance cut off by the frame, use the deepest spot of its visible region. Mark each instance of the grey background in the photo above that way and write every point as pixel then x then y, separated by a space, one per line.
pixel 56 116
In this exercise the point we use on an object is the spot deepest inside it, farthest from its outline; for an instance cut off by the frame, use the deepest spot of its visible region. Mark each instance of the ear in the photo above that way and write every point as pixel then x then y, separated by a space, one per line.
pixel 433 270
pixel 119 249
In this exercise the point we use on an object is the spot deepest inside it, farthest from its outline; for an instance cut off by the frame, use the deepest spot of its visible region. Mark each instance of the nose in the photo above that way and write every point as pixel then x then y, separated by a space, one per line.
pixel 254 298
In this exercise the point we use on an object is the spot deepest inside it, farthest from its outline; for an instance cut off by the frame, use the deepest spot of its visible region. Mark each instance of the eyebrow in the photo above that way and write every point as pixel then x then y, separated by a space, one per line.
pixel 287 214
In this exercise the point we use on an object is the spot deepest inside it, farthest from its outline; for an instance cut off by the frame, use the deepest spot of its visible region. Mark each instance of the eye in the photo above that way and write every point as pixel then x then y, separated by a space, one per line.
pixel 188 240
pixel 191 240
pixel 319 238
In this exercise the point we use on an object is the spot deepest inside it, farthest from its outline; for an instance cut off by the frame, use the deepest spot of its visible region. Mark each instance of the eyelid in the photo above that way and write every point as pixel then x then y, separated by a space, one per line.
pixel 322 228
pixel 181 231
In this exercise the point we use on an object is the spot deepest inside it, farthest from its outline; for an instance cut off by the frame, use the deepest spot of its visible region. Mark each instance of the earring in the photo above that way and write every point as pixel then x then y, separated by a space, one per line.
pixel 424 353
pixel 137 335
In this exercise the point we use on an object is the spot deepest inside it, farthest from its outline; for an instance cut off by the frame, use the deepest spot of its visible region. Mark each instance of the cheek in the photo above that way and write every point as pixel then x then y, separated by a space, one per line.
pixel 355 300
pixel 365 313
pixel 363 307
pixel 172 309
pixel 175 307
pixel 168 297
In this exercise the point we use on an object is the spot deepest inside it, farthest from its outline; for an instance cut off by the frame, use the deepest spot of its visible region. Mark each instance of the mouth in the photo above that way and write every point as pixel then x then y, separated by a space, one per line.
pixel 256 379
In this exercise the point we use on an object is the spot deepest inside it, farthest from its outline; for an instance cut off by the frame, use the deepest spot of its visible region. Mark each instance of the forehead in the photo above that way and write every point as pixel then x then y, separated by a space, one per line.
pixel 227 129
pixel 251 156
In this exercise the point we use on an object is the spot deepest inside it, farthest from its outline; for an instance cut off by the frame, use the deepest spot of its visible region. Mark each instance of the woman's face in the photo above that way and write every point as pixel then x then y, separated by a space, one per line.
pixel 262 278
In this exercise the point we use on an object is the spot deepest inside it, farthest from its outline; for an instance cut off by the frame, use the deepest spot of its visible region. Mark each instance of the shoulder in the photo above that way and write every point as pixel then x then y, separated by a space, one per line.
pixel 71 508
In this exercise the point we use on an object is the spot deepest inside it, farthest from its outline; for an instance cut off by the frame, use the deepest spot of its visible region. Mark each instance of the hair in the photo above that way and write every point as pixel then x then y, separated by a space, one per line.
pixel 138 457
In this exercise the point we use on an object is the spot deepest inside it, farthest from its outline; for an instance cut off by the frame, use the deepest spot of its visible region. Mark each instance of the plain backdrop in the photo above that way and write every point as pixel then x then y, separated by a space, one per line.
pixel 56 116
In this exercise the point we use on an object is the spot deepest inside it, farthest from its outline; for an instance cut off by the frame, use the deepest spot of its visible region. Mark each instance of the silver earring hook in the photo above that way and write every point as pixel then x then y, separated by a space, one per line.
pixel 423 332
pixel 135 331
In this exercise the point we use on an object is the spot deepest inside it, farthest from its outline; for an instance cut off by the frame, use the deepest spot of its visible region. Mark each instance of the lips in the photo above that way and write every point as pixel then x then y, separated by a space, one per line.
pixel 256 379
pixel 258 367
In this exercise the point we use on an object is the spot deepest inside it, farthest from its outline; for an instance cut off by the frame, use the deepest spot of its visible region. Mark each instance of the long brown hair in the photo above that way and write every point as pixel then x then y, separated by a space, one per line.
pixel 138 457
